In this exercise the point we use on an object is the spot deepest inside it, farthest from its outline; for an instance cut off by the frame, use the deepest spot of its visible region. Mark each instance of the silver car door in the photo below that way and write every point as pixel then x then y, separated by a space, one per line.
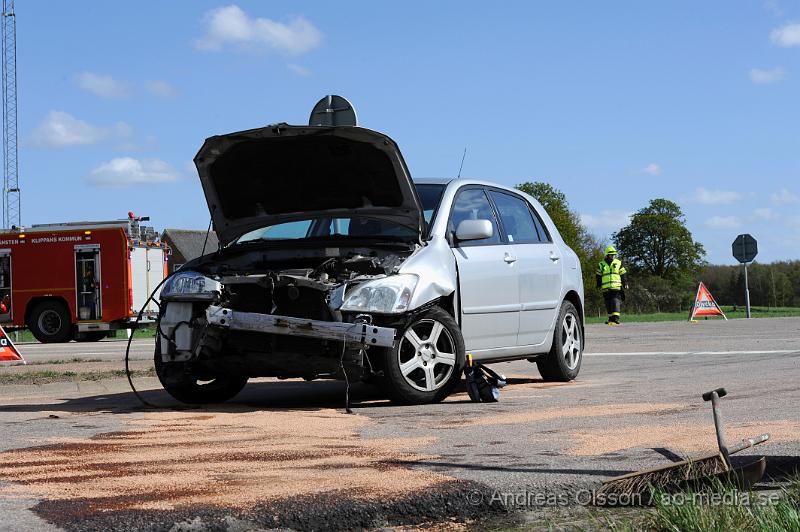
pixel 487 275
pixel 538 265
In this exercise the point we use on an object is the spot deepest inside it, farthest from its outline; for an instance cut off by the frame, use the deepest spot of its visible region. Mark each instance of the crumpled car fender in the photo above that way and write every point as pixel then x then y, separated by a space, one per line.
pixel 435 266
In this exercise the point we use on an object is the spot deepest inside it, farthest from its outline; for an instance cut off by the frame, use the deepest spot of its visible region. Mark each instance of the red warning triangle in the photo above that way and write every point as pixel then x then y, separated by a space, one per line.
pixel 8 351
pixel 705 304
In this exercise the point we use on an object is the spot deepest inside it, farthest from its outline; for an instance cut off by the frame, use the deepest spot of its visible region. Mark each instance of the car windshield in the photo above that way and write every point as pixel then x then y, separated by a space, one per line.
pixel 358 227
pixel 430 195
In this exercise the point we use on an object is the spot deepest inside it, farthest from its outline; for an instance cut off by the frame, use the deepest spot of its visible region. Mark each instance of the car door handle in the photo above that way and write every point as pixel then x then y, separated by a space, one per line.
pixel 510 259
pixel 554 257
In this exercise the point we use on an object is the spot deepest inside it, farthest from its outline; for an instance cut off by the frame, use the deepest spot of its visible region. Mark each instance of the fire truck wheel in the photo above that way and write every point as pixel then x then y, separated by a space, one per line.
pixel 190 389
pixel 50 322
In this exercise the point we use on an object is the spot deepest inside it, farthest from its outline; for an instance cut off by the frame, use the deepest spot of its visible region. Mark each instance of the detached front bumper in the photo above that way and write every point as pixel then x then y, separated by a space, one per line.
pixel 356 333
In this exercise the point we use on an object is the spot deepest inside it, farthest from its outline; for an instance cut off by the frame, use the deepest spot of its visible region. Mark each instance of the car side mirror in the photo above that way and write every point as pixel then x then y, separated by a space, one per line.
pixel 474 230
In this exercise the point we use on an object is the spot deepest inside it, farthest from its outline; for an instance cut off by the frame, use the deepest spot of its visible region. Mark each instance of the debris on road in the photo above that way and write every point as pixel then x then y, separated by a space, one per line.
pixel 693 470
pixel 483 384
pixel 179 459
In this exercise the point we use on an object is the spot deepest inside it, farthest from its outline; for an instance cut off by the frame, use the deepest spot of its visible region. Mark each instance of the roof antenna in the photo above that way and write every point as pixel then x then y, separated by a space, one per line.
pixel 462 164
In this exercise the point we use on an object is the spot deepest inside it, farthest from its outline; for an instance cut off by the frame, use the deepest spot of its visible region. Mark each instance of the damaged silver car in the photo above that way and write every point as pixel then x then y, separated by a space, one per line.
pixel 333 264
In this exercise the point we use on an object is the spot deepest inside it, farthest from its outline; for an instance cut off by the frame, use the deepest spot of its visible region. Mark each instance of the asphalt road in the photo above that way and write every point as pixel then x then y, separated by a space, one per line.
pixel 111 350
pixel 636 404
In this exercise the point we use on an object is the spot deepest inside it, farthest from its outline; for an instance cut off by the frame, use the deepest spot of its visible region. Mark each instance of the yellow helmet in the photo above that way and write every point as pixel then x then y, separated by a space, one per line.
pixel 611 251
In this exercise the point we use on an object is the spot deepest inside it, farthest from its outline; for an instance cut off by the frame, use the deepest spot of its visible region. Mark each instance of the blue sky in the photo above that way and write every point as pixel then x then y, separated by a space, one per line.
pixel 613 103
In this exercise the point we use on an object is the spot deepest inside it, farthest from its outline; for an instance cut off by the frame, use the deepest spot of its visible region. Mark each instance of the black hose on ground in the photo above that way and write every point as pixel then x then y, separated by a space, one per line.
pixel 130 340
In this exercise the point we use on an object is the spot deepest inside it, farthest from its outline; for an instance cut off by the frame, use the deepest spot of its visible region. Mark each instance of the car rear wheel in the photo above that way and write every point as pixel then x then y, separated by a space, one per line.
pixel 186 387
pixel 50 322
pixel 563 362
pixel 425 364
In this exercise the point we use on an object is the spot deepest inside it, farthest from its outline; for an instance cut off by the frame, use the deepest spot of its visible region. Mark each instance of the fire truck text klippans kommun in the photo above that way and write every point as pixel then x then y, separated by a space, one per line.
pixel 79 280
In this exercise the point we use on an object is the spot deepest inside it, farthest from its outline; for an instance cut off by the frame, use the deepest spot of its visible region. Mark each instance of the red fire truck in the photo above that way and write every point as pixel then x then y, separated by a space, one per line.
pixel 79 280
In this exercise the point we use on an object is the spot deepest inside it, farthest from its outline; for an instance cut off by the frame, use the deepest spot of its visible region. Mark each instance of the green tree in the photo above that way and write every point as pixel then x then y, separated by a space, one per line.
pixel 555 203
pixel 782 290
pixel 574 233
pixel 657 242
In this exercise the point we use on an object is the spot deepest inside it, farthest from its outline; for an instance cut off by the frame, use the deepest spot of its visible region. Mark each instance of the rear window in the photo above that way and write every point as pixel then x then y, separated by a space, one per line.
pixel 517 219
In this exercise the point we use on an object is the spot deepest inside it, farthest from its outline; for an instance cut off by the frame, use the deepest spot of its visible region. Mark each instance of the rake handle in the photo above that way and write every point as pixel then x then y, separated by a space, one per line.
pixel 721 392
pixel 714 396
pixel 747 443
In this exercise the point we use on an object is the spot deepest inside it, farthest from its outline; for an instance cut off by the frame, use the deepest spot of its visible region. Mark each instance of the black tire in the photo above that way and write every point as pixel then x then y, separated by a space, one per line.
pixel 563 362
pixel 188 389
pixel 430 365
pixel 91 336
pixel 50 322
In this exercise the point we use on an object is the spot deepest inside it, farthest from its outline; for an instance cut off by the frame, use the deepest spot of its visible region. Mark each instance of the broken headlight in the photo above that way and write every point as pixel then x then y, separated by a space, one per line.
pixel 191 286
pixel 390 295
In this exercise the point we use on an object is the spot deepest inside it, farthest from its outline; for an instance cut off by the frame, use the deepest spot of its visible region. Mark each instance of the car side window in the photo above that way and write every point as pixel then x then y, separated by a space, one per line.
pixel 516 217
pixel 544 235
pixel 472 204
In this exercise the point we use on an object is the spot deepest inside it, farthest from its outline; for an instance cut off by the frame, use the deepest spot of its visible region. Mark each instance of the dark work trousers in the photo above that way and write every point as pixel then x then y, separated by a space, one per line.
pixel 613 299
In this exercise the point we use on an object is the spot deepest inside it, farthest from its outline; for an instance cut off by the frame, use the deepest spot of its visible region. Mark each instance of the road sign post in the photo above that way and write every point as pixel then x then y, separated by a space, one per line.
pixel 745 249
pixel 746 294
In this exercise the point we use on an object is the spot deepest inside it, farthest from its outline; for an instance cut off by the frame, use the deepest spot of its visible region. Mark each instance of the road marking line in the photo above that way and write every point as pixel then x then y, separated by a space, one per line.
pixel 686 353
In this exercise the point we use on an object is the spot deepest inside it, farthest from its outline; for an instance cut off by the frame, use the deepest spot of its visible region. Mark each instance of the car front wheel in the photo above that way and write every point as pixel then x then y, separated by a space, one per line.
pixel 186 387
pixel 426 362
pixel 563 362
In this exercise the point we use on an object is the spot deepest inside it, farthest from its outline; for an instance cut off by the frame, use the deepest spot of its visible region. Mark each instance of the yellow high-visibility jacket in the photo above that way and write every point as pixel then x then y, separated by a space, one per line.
pixel 610 275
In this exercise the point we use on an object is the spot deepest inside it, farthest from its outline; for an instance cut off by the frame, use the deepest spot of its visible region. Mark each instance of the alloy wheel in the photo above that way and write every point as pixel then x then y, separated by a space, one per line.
pixel 571 340
pixel 426 355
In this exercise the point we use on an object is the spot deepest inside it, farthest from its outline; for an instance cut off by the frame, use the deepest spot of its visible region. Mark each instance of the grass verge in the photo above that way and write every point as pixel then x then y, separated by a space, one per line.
pixel 723 508
pixel 49 376
pixel 756 312
pixel 25 335
pixel 73 360
pixel 717 508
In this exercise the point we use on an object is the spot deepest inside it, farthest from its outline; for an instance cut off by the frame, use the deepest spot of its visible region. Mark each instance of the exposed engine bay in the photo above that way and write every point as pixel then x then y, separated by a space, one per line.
pixel 279 317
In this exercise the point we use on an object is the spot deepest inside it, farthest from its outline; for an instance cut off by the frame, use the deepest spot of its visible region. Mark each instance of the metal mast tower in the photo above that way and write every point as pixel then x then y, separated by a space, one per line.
pixel 11 211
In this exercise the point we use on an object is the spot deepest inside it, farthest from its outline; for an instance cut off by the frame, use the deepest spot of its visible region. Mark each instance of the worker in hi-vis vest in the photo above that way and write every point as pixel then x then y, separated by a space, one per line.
pixel 612 280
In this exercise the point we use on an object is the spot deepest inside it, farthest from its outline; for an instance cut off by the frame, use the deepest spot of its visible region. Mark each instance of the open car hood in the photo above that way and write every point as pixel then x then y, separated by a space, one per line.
pixel 281 173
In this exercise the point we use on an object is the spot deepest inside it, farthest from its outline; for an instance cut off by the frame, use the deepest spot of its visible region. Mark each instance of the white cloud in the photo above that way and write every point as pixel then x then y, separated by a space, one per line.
pixel 784 197
pixel 773 7
pixel 149 143
pixel 102 85
pixel 127 171
pixel 762 77
pixel 61 129
pixel 160 88
pixel 786 36
pixel 723 222
pixel 704 196
pixel 299 70
pixel 766 214
pixel 230 25
pixel 652 169
pixel 607 220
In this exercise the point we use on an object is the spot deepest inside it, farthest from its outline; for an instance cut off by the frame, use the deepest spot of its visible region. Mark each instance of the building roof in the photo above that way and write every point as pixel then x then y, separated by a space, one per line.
pixel 189 242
